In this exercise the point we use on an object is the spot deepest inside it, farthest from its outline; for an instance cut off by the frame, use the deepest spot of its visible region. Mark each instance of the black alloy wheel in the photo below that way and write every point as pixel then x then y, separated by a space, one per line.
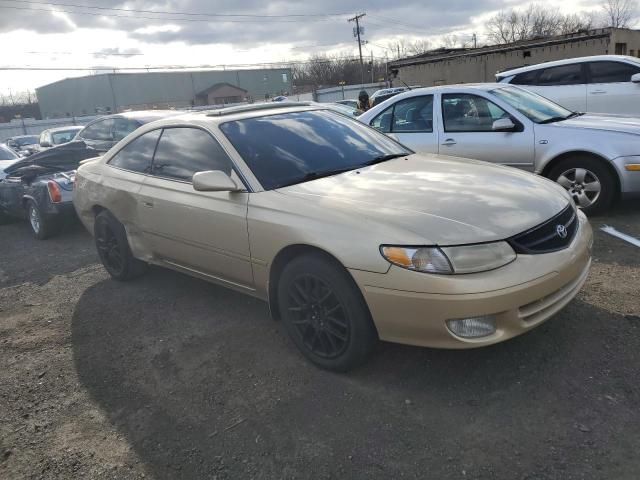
pixel 325 313
pixel 319 316
pixel 113 248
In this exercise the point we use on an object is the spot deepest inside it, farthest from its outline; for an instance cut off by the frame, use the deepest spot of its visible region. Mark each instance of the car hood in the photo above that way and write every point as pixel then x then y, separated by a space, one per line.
pixel 610 123
pixel 62 157
pixel 442 200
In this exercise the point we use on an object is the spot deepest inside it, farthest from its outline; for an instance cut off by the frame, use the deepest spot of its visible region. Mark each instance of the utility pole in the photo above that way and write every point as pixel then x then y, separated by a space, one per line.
pixel 356 19
pixel 475 40
pixel 371 63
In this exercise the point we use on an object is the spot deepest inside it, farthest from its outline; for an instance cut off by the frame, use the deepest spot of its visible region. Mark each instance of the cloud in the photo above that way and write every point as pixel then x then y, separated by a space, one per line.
pixel 117 52
pixel 384 18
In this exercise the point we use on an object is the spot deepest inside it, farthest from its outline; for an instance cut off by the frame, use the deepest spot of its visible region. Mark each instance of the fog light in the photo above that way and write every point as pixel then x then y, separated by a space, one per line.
pixel 473 327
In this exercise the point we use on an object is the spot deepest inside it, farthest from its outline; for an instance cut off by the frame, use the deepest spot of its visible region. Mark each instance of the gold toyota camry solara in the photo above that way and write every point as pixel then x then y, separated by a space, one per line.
pixel 350 236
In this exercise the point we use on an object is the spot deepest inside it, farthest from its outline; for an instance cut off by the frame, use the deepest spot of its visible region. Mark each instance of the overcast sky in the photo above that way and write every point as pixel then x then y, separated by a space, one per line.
pixel 32 34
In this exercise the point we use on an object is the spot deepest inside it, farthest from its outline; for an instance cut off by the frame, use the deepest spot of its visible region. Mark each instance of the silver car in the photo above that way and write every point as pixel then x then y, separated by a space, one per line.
pixel 594 157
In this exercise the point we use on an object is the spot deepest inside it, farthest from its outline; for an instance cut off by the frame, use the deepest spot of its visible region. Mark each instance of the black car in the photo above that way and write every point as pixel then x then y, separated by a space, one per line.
pixel 40 187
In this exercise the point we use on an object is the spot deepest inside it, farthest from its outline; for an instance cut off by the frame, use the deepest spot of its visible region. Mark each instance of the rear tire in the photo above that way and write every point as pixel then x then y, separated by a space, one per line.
pixel 42 226
pixel 588 181
pixel 113 248
pixel 325 313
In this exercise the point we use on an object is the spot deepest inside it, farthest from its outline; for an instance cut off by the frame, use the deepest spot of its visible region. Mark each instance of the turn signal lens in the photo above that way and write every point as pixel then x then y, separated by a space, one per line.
pixel 54 192
pixel 632 167
pixel 423 259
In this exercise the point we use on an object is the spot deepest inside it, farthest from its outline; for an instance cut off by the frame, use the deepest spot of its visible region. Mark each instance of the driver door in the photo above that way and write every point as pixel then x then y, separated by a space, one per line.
pixel 202 232
pixel 467 131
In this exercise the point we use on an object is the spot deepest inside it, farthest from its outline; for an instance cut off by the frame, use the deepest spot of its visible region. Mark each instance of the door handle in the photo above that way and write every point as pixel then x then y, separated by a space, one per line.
pixel 449 141
pixel 596 92
pixel 148 204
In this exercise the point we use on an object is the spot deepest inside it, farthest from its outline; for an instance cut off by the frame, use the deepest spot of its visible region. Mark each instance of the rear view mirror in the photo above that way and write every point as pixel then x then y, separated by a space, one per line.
pixel 45 143
pixel 635 78
pixel 214 181
pixel 503 125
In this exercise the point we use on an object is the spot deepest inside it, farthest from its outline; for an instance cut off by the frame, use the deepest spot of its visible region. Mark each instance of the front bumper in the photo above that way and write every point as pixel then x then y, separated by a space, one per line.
pixel 412 308
pixel 629 180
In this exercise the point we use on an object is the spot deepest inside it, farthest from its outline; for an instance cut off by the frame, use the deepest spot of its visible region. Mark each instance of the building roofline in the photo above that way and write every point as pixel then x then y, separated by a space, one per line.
pixel 143 72
pixel 502 48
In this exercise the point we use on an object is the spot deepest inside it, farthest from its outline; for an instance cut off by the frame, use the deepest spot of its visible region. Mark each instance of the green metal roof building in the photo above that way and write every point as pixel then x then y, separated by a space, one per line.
pixel 116 92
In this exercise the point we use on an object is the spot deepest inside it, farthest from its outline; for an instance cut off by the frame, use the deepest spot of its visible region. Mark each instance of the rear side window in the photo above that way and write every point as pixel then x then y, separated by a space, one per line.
pixel 101 130
pixel 382 122
pixel 183 151
pixel 562 75
pixel 123 127
pixel 411 115
pixel 525 78
pixel 136 155
pixel 611 72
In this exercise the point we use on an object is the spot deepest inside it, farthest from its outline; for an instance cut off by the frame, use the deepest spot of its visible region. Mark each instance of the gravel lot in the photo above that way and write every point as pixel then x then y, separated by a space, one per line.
pixel 171 377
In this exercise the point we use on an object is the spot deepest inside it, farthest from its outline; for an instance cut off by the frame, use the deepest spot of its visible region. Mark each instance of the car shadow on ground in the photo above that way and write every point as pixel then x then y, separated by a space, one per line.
pixel 204 384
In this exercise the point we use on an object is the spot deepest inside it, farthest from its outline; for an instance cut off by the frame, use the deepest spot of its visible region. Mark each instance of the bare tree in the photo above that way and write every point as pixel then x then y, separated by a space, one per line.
pixel 620 13
pixel 403 48
pixel 535 21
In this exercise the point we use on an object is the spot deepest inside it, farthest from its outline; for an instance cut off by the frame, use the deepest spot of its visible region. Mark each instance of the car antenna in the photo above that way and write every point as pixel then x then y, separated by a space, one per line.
pixel 405 84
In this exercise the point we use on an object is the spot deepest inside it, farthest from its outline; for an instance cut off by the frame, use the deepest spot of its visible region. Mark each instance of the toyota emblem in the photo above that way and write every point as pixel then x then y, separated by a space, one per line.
pixel 561 230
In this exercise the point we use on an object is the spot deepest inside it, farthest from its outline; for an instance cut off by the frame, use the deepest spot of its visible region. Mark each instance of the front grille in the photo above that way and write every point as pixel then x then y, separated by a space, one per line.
pixel 548 236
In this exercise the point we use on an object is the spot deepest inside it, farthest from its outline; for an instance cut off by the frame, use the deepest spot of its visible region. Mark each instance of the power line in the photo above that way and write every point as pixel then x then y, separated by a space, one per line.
pixel 168 19
pixel 176 67
pixel 165 12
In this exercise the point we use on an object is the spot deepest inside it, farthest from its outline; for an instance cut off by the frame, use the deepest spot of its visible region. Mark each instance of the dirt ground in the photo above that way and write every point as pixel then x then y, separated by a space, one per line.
pixel 170 377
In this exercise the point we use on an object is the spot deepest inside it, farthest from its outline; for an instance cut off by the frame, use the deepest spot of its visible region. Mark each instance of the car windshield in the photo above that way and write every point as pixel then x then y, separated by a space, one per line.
pixel 535 107
pixel 63 136
pixel 291 148
pixel 6 153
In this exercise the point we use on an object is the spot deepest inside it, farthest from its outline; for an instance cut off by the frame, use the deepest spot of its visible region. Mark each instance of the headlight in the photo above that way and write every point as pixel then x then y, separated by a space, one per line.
pixel 450 260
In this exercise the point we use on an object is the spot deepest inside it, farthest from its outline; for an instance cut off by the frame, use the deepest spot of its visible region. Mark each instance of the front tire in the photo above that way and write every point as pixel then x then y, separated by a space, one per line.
pixel 41 226
pixel 588 181
pixel 325 313
pixel 113 248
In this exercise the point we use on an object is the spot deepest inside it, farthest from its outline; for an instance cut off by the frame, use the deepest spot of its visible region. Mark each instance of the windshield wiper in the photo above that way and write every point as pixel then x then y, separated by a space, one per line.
pixel 559 119
pixel 315 175
pixel 384 158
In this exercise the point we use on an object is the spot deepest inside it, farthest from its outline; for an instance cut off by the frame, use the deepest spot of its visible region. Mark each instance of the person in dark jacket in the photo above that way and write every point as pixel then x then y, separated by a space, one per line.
pixel 363 101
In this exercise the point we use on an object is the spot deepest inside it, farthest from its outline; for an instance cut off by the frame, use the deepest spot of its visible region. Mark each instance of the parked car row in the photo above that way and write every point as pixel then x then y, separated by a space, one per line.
pixel 406 224
pixel 349 235
pixel 595 158
pixel 39 188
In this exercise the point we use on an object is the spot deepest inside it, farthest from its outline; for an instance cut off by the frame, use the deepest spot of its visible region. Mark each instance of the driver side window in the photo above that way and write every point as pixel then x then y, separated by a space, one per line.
pixel 469 113
pixel 183 151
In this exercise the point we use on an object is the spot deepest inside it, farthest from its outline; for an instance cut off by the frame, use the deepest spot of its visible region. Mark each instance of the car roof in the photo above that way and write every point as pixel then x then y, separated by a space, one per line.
pixel 240 112
pixel 555 63
pixel 64 129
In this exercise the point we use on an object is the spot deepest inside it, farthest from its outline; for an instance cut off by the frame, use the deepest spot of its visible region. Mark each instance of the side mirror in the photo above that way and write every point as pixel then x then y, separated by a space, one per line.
pixel 635 78
pixel 214 181
pixel 503 125
pixel 45 143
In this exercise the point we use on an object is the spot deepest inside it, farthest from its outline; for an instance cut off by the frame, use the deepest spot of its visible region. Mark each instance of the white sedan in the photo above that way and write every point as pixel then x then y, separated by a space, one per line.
pixel 595 157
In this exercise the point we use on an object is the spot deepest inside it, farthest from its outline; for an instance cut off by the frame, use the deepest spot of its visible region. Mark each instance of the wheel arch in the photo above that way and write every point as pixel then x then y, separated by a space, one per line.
pixel 286 255
pixel 551 164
